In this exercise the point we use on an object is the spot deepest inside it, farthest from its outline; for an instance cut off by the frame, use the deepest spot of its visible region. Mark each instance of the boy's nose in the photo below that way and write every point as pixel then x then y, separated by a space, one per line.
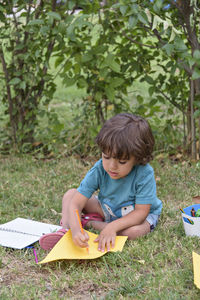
pixel 113 164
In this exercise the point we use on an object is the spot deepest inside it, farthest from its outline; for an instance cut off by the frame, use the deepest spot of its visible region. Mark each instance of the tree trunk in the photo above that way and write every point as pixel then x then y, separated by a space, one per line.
pixel 193 137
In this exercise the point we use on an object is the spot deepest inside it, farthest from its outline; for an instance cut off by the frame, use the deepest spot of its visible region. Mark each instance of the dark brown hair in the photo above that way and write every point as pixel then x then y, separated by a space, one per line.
pixel 126 135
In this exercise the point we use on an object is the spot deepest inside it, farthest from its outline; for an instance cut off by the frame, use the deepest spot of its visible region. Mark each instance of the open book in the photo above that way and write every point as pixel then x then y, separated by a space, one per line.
pixel 20 233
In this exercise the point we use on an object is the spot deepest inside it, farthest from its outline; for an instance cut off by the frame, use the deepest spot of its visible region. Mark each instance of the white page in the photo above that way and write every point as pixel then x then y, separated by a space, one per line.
pixel 30 230
pixel 16 240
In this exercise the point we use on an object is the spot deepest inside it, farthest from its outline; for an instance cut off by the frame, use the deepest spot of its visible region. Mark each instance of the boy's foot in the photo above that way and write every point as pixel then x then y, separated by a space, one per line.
pixel 49 240
pixel 85 218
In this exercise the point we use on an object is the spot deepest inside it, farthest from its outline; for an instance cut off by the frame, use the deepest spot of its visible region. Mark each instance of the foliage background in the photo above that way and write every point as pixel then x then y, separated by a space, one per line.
pixel 117 56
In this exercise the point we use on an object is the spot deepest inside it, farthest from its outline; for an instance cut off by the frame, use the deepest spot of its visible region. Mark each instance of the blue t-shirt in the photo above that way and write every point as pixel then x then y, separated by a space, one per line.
pixel 119 196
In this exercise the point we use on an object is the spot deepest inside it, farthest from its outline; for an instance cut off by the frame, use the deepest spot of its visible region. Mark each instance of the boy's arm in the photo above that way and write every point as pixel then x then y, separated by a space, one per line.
pixel 136 217
pixel 77 202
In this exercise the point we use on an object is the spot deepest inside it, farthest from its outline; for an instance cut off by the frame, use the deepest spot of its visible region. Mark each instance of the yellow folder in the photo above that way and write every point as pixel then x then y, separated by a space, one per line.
pixel 66 249
pixel 196 268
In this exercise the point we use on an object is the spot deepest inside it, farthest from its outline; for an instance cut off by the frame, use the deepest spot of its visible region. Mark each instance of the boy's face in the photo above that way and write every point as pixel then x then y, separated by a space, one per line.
pixel 117 168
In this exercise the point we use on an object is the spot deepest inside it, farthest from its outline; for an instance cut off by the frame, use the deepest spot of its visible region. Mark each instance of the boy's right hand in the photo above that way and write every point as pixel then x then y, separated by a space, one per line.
pixel 80 239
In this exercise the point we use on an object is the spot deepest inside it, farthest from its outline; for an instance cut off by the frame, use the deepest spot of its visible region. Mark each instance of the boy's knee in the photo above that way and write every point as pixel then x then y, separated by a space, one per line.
pixel 136 231
pixel 69 194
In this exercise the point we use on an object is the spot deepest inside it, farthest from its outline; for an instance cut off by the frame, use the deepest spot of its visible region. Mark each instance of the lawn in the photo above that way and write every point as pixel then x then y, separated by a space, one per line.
pixel 158 266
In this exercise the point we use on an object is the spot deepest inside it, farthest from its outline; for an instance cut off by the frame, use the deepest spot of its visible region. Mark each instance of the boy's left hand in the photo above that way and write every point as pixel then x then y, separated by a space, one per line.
pixel 106 239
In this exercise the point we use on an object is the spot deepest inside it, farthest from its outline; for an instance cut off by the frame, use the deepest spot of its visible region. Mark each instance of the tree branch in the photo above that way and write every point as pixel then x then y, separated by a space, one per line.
pixel 136 42
pixel 26 34
pixel 172 102
pixel 38 9
pixel 14 15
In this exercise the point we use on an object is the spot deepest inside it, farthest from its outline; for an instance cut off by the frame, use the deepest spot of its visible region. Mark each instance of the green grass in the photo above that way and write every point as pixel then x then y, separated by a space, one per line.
pixel 158 266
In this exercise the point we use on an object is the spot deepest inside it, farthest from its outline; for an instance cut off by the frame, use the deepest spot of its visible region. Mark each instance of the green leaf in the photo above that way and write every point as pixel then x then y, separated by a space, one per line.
pixel 2 17
pixel 158 5
pixel 58 61
pixel 197 100
pixel 116 81
pixel 169 64
pixel 196 54
pixel 62 27
pixel 115 6
pixel 110 93
pixel 195 74
pixel 104 72
pixel 44 30
pixel 19 46
pixel 197 113
pixel 77 68
pixel 82 83
pixel 98 96
pixel 110 61
pixel 114 66
pixel 153 102
pixel 191 62
pixel 155 21
pixel 123 9
pixel 172 36
pixel 22 85
pixel 180 45
pixel 134 8
pixel 151 90
pixel 14 81
pixel 36 22
pixel 140 99
pixel 149 79
pixel 86 57
pixel 143 18
pixel 80 22
pixel 69 81
pixel 70 32
pixel 168 48
pixel 54 15
pixel 132 21
pixel 71 4
pixel 68 66
pixel 99 49
pixel 77 57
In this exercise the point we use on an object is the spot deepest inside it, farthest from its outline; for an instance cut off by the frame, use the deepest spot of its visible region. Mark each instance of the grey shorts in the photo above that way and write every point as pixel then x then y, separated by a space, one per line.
pixel 152 219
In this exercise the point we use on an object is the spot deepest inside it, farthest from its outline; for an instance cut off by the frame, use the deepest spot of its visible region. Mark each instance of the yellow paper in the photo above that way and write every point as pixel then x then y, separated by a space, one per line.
pixel 196 268
pixel 66 249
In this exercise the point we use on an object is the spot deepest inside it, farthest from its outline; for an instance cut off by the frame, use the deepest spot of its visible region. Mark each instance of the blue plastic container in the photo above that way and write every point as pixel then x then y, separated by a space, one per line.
pixel 191 224
pixel 187 210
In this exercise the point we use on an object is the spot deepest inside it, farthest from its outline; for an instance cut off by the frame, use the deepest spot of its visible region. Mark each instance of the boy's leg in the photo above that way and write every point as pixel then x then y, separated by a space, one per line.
pixel 92 206
pixel 48 241
pixel 139 230
pixel 136 231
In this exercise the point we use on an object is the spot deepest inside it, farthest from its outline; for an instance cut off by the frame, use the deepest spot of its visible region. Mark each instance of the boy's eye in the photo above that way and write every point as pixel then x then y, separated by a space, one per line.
pixel 106 157
pixel 122 162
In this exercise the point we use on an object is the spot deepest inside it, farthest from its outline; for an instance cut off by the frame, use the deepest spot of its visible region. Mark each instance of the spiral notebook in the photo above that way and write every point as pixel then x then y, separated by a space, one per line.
pixel 20 233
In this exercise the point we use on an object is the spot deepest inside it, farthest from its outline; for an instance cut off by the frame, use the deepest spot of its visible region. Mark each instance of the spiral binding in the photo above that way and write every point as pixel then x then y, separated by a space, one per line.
pixel 16 231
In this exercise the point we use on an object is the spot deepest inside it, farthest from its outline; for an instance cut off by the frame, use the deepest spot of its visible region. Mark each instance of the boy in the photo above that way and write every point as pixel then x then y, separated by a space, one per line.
pixel 127 203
